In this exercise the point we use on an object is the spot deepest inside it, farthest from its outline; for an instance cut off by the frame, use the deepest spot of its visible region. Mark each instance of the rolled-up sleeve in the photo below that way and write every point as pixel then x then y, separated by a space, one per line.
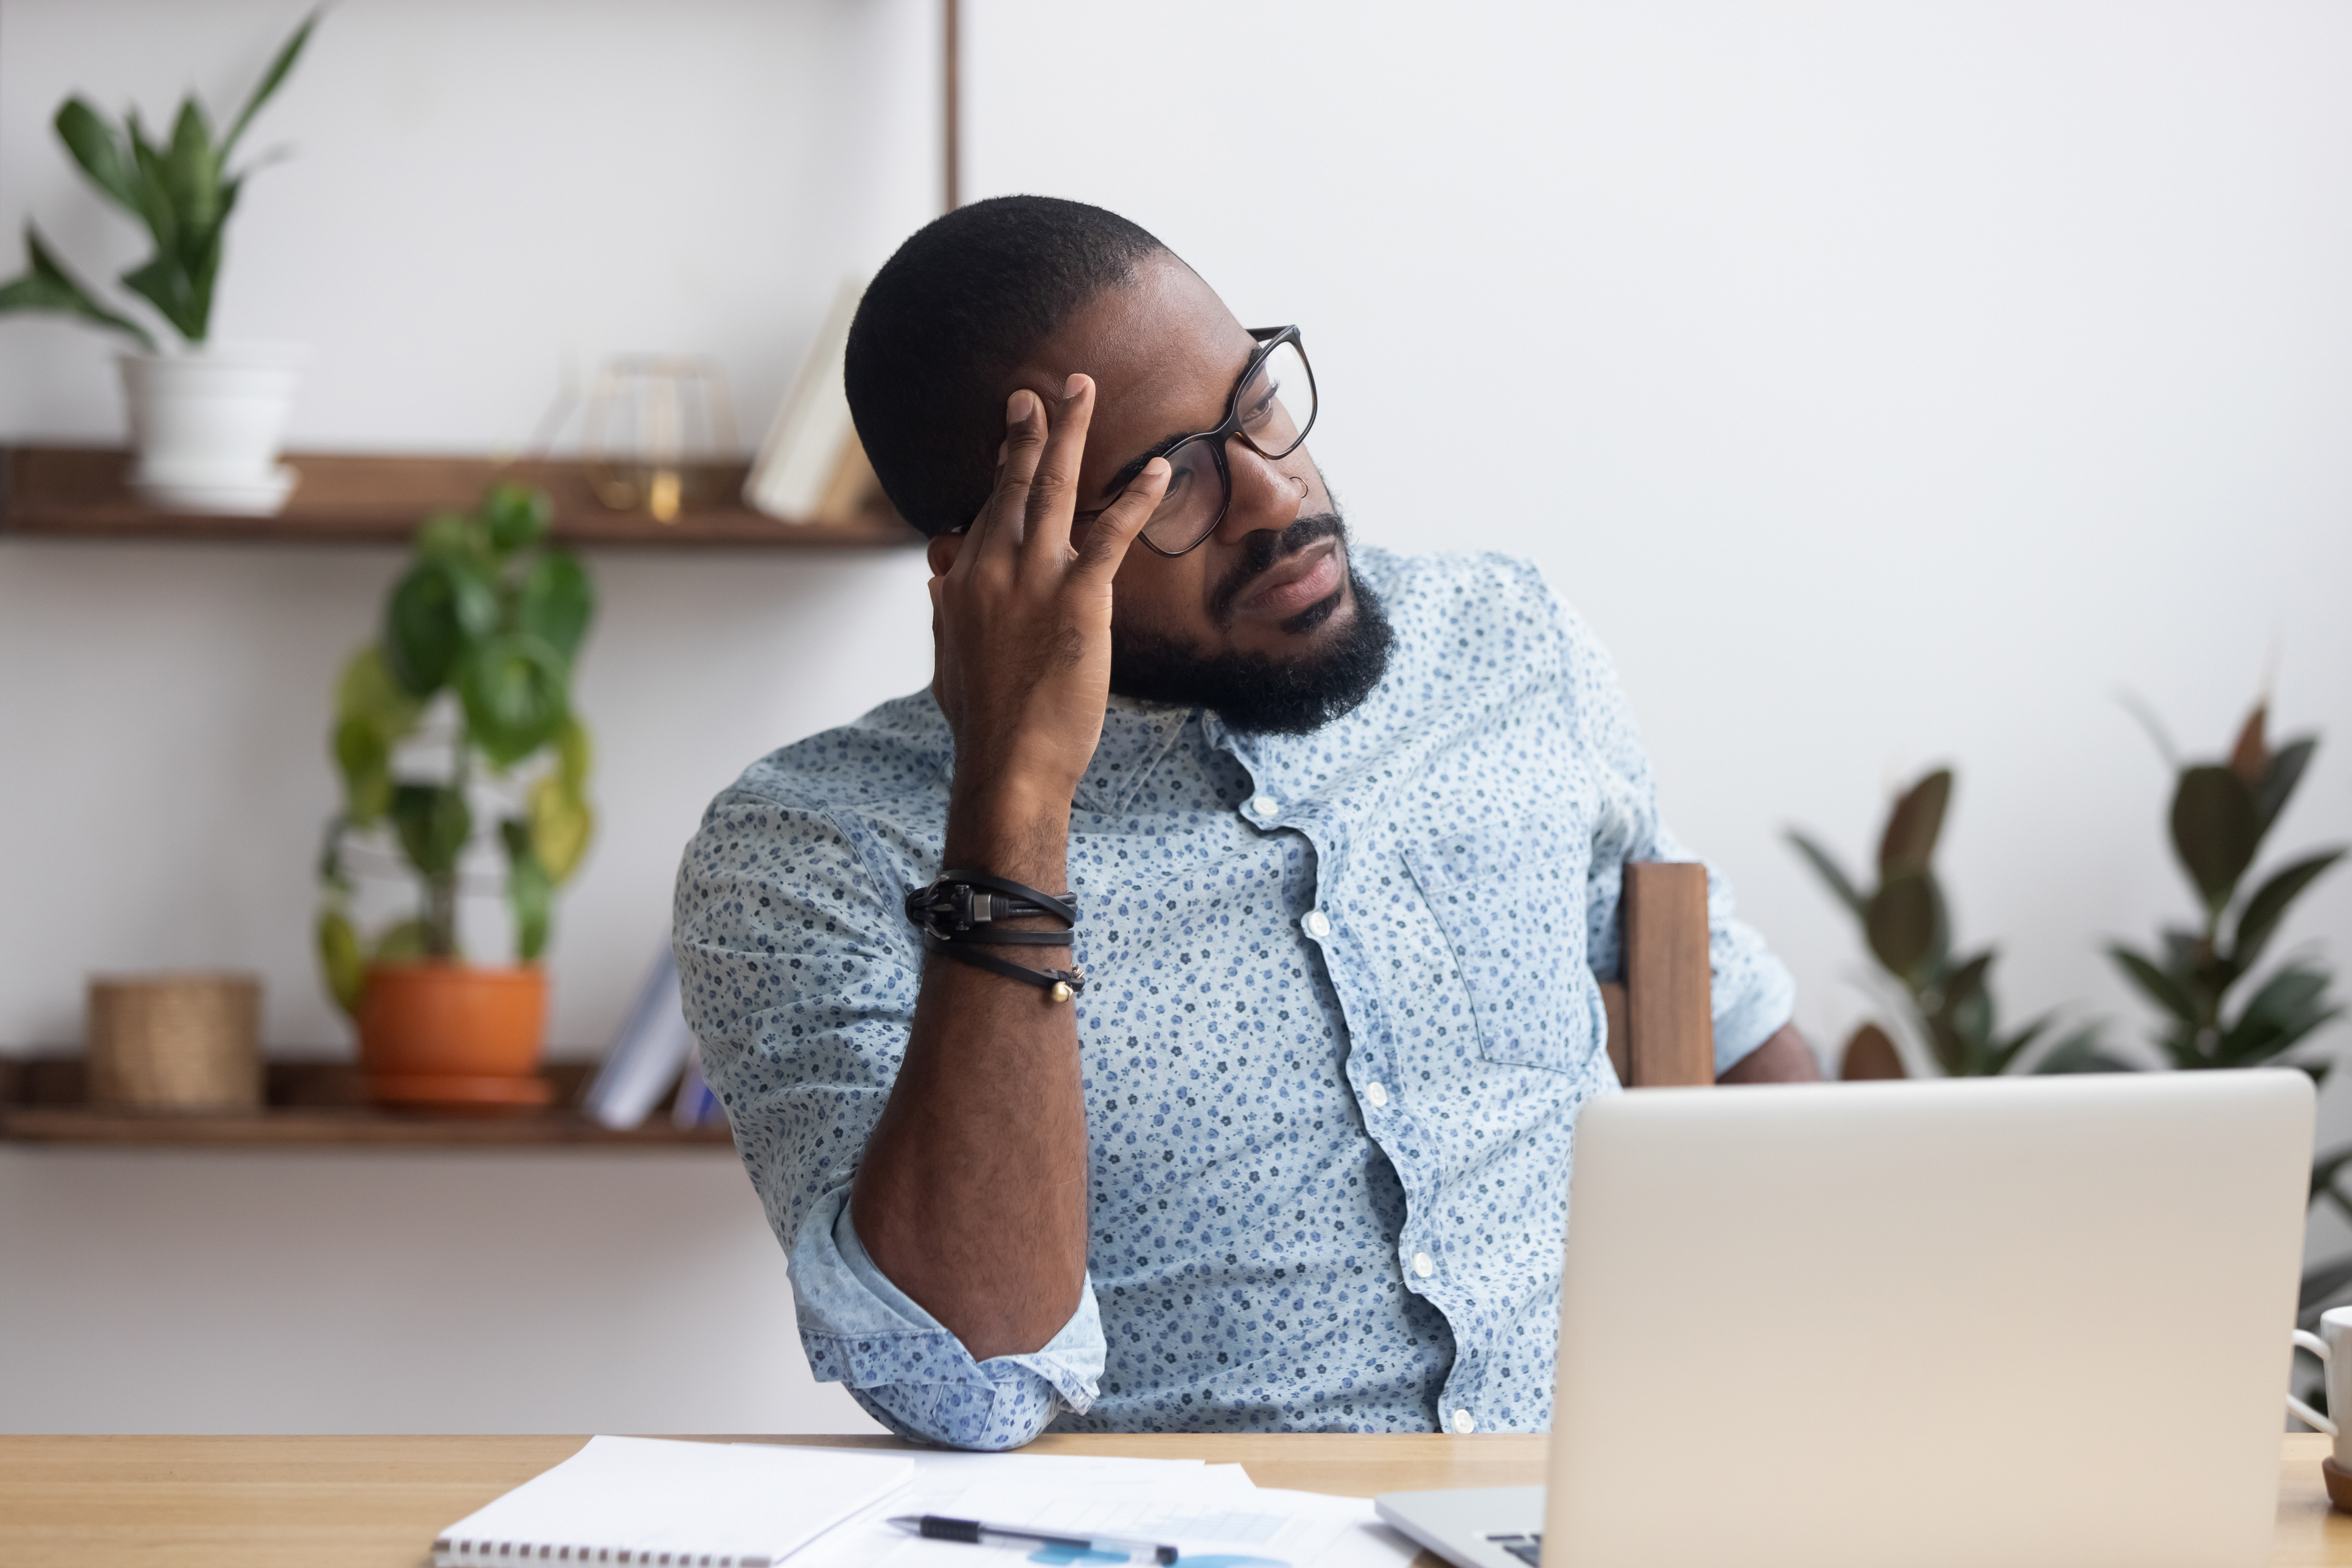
pixel 799 977
pixel 1752 992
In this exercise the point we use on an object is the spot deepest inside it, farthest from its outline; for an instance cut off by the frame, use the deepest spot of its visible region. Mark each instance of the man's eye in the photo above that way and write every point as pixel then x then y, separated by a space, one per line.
pixel 1267 395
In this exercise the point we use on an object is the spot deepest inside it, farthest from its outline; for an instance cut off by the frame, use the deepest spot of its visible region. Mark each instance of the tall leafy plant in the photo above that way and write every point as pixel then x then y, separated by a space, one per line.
pixel 180 188
pixel 459 712
pixel 1906 925
pixel 2221 812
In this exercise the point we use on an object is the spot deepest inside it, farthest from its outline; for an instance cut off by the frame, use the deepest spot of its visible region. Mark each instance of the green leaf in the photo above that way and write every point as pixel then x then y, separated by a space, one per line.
pixel 1915 825
pixel 165 285
pixel 1832 874
pixel 343 961
pixel 2158 986
pixel 46 286
pixel 365 763
pixel 529 889
pixel 433 823
pixel 195 171
pixel 2287 768
pixel 435 613
pixel 97 147
pixel 515 691
pixel 575 754
pixel 405 943
pixel 561 822
pixel 2268 907
pixel 456 538
pixel 516 516
pixel 287 53
pixel 2214 831
pixel 368 691
pixel 1902 923
pixel 556 601
pixel 2288 1006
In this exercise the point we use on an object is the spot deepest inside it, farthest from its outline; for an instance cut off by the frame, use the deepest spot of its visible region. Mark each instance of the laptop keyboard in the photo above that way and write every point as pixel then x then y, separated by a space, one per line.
pixel 1527 1549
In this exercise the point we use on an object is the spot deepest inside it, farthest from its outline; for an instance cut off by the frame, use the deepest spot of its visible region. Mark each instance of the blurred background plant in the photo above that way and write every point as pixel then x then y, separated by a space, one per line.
pixel 462 701
pixel 1943 999
pixel 2221 813
pixel 181 190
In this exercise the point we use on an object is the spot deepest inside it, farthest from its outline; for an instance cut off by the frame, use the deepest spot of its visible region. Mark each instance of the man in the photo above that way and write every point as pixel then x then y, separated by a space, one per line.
pixel 1277 1136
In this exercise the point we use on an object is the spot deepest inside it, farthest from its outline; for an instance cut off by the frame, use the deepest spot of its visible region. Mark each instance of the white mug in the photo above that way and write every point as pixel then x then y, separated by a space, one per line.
pixel 2336 1356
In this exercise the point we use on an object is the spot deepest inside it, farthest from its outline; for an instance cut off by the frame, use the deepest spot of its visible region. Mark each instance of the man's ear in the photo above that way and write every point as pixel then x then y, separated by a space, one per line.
pixel 943 553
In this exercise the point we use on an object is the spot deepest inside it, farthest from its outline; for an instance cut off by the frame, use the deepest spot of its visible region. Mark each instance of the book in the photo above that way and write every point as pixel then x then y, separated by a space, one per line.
pixel 651 1500
pixel 645 1057
pixel 804 472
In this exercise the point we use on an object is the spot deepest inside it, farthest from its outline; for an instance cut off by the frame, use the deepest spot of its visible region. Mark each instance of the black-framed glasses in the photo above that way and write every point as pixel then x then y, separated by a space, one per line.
pixel 1272 409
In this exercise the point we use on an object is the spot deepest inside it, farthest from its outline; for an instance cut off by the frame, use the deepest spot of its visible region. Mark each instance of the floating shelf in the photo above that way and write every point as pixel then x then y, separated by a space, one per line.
pixel 78 492
pixel 317 1105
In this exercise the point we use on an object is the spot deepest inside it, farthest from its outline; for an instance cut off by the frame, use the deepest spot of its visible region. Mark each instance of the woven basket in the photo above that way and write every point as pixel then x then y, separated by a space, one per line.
pixel 175 1042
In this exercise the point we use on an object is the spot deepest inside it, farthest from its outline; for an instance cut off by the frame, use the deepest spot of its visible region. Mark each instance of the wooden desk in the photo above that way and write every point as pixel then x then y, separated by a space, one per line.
pixel 376 1502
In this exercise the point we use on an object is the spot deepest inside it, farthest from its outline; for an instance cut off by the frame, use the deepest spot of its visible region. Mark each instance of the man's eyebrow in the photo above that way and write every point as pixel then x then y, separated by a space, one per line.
pixel 1135 465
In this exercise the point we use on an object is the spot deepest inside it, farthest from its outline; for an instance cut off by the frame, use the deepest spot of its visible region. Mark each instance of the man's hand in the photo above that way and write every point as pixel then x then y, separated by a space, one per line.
pixel 1021 628
pixel 972 1196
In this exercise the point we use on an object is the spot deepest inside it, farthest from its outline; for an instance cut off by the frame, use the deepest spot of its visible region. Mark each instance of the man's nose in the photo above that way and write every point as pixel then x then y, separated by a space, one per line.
pixel 1265 496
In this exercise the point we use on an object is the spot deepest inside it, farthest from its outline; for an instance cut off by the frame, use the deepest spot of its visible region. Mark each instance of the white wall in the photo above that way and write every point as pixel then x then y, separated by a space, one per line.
pixel 1887 384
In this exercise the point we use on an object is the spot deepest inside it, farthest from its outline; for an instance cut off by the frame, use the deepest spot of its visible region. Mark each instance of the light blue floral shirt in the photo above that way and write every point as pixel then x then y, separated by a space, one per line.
pixel 1341 1010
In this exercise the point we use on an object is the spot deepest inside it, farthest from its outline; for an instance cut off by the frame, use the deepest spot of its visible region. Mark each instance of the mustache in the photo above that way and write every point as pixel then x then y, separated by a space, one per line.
pixel 1260 550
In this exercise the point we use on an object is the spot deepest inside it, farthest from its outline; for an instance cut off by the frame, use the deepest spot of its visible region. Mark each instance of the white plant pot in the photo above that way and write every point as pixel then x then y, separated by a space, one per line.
pixel 205 426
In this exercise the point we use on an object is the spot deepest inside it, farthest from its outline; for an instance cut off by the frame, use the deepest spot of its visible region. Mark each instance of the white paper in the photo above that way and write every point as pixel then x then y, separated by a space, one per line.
pixel 738 1503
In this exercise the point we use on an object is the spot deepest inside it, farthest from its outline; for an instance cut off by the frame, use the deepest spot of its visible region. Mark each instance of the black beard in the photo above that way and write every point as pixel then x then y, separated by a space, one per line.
pixel 1254 692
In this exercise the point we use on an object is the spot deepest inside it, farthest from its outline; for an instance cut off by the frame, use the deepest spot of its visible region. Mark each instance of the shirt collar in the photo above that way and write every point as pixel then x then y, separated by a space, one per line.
pixel 1134 735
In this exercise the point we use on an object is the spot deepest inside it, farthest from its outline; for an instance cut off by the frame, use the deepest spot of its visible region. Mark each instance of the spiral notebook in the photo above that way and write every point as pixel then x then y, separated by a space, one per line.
pixel 624 1501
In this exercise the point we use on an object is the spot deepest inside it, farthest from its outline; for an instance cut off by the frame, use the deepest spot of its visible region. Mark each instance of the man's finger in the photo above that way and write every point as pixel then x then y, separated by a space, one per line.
pixel 1115 530
pixel 1053 494
pixel 1002 524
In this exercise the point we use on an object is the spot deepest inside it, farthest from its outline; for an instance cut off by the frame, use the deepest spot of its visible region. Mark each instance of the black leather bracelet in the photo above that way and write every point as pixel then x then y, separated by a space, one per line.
pixel 1058 984
pixel 953 908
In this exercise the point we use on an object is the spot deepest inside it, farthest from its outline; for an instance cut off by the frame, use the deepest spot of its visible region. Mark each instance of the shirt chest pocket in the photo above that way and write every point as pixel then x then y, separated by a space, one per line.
pixel 1513 924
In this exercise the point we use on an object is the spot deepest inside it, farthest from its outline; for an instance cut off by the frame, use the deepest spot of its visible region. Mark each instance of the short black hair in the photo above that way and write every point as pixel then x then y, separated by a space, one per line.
pixel 950 314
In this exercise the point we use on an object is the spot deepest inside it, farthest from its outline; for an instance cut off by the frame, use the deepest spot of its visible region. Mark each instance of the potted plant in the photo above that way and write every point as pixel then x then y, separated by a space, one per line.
pixel 455 717
pixel 205 420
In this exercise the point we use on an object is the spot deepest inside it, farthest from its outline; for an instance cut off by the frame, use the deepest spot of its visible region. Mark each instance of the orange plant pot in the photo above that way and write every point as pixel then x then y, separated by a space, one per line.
pixel 453 1034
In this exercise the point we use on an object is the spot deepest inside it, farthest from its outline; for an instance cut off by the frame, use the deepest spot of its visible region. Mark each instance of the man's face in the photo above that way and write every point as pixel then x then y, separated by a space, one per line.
pixel 1265 607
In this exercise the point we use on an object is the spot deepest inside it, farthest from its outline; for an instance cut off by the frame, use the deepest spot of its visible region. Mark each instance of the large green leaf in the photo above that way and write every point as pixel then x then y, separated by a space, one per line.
pixel 1901 923
pixel 341 957
pixel 2288 1006
pixel 46 286
pixel 459 538
pixel 2214 830
pixel 516 516
pixel 365 763
pixel 433 823
pixel 2278 785
pixel 2268 907
pixel 556 601
pixel 1913 827
pixel 530 890
pixel 2160 987
pixel 287 53
pixel 436 613
pixel 97 147
pixel 561 822
pixel 1832 874
pixel 514 688
pixel 196 169
pixel 368 691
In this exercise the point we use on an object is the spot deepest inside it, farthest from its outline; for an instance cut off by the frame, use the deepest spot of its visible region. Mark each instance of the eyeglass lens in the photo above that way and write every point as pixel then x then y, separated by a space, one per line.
pixel 1275 410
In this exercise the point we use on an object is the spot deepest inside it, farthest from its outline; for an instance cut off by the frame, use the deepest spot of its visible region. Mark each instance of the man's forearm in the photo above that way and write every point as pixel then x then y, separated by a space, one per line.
pixel 972 1196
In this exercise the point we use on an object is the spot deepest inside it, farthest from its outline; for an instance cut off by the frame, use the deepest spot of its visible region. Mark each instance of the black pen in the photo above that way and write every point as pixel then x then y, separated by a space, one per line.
pixel 932 1527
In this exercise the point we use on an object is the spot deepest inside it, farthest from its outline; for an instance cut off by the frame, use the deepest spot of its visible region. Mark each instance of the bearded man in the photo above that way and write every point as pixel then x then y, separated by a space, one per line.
pixel 1175 1018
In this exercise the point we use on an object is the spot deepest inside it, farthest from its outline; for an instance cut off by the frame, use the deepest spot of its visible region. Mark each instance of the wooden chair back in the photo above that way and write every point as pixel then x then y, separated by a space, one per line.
pixel 1662 1020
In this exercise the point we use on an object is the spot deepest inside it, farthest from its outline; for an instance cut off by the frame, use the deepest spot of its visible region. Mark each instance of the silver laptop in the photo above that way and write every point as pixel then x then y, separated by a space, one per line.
pixel 2037 1323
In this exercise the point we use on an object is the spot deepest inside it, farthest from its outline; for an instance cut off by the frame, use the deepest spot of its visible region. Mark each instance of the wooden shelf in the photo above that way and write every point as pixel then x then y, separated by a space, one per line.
pixel 317 1105
pixel 78 492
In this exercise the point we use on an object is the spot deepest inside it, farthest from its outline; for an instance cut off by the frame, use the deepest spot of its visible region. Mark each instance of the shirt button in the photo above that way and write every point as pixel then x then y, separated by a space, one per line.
pixel 1376 1094
pixel 1316 924
pixel 1264 805
pixel 1423 1265
pixel 1462 1424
